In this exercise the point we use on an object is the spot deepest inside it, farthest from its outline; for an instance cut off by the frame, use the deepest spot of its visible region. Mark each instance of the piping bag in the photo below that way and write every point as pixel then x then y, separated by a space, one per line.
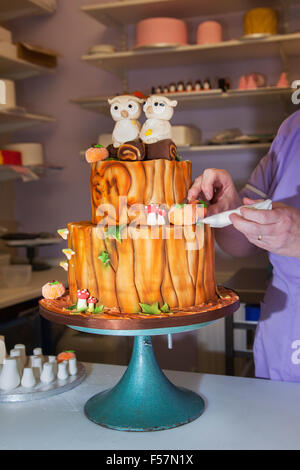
pixel 222 219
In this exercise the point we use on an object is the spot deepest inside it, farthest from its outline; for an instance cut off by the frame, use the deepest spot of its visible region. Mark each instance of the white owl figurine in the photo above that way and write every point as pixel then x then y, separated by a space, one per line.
pixel 158 110
pixel 125 110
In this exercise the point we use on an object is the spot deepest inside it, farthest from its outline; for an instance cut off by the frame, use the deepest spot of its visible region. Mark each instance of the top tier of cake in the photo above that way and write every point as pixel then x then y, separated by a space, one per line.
pixel 121 190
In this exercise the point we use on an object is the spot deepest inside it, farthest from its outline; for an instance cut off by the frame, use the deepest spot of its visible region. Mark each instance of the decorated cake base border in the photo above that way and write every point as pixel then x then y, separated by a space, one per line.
pixel 111 319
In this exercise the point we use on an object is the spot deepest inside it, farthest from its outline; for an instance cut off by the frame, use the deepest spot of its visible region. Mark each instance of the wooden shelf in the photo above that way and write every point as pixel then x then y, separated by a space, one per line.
pixel 273 46
pixel 119 13
pixel 13 120
pixel 203 99
pixel 12 9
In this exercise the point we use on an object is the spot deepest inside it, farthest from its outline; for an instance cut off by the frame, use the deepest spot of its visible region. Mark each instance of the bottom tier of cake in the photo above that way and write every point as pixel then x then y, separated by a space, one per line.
pixel 133 268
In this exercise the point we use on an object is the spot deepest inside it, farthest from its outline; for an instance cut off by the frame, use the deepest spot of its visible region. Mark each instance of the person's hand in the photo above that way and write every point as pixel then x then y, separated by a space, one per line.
pixel 217 187
pixel 276 230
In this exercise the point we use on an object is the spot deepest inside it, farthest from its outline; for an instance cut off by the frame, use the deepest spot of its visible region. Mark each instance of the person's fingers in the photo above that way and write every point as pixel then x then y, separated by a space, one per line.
pixel 251 228
pixel 195 189
pixel 210 180
pixel 260 216
pixel 247 200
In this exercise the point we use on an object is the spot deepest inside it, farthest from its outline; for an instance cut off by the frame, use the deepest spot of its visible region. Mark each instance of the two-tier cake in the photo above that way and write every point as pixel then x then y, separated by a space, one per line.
pixel 145 251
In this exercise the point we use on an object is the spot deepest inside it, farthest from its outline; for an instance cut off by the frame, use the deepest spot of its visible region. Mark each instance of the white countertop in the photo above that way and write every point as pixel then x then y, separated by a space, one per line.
pixel 240 413
pixel 13 295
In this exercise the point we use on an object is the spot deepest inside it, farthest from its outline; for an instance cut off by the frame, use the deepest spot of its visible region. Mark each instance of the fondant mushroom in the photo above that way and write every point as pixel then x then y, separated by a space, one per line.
pixel 161 214
pixel 151 211
pixel 91 304
pixel 82 296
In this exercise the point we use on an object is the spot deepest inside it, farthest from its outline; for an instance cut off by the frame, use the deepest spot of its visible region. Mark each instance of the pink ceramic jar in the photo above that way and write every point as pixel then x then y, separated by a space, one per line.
pixel 161 31
pixel 209 32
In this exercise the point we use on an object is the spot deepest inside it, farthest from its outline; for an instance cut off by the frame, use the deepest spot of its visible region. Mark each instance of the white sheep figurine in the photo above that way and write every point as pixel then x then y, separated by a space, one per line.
pixel 158 110
pixel 125 110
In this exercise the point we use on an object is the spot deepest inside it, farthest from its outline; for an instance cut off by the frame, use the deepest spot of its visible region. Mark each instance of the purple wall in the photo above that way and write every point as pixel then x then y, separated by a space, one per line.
pixel 63 196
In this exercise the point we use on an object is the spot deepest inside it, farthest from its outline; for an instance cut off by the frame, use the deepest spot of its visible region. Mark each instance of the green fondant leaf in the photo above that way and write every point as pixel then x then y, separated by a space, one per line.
pixel 115 232
pixel 202 203
pixel 98 309
pixel 54 283
pixel 151 309
pixel 179 206
pixel 178 158
pixel 72 307
pixel 98 146
pixel 165 308
pixel 105 258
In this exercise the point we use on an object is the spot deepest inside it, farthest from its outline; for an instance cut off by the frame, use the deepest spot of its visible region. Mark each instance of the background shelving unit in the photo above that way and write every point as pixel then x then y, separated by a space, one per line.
pixel 14 68
pixel 130 12
pixel 287 45
pixel 122 14
pixel 25 174
pixel 12 9
pixel 14 120
pixel 205 99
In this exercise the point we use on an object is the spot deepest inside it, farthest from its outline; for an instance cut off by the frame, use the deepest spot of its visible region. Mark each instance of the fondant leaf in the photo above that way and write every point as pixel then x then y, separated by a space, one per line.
pixel 98 309
pixel 165 308
pixel 72 307
pixel 104 257
pixel 202 203
pixel 98 146
pixel 115 232
pixel 151 309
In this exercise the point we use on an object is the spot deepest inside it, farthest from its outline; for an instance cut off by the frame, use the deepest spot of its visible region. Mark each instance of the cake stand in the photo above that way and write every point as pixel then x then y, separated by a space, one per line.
pixel 144 399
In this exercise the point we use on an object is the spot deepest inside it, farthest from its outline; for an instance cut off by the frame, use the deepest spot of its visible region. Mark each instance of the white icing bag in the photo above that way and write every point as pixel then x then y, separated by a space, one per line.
pixel 222 220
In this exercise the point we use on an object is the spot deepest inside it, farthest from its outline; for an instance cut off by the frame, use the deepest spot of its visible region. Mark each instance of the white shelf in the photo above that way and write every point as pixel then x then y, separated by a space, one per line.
pixel 273 46
pixel 217 149
pixel 12 9
pixel 203 99
pixel 23 173
pixel 200 149
pixel 118 13
pixel 18 69
pixel 13 120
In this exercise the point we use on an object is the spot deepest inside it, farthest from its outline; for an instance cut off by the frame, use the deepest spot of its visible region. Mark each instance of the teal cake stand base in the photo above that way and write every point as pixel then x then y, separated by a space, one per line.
pixel 144 399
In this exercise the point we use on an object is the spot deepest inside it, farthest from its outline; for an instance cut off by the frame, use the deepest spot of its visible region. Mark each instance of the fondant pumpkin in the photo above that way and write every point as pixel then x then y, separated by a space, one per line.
pixel 65 356
pixel 96 154
pixel 53 290
pixel 185 214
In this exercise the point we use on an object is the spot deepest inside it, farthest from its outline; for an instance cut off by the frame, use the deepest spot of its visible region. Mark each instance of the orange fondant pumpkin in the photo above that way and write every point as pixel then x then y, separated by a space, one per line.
pixel 53 290
pixel 96 154
pixel 65 356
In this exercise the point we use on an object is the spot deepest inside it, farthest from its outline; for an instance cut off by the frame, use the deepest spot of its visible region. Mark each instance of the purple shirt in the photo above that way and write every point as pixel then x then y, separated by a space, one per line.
pixel 277 340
